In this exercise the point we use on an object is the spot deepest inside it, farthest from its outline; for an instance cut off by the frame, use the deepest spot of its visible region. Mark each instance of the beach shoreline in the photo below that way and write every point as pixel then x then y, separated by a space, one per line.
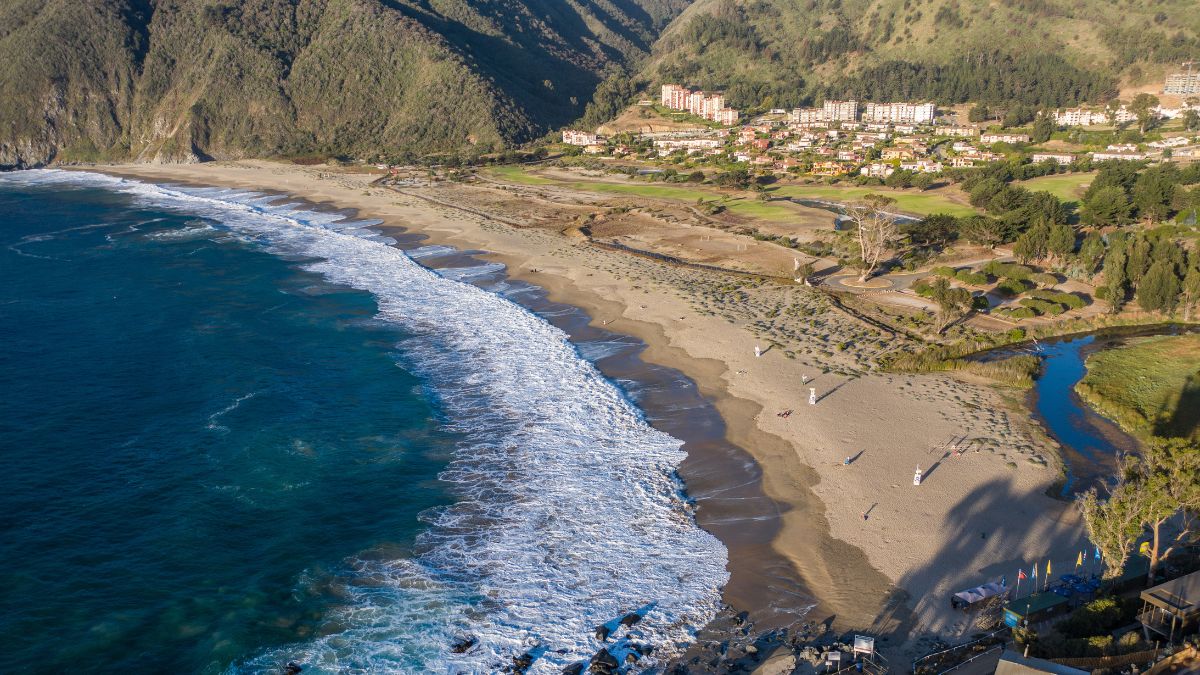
pixel 877 556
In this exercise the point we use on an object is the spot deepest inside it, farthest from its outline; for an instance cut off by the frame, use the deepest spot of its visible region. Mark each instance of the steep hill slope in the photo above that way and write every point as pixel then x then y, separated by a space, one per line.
pixel 178 79
pixel 1040 52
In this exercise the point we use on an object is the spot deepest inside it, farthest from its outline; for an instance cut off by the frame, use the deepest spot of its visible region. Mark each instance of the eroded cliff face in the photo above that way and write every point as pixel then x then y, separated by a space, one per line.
pixel 186 80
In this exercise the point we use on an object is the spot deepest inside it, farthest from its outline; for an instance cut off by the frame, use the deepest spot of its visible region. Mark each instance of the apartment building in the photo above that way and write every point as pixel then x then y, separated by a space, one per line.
pixel 710 106
pixel 1182 84
pixel 582 138
pixel 899 113
pixel 1057 157
pixel 961 132
pixel 840 111
pixel 988 139
pixel 807 116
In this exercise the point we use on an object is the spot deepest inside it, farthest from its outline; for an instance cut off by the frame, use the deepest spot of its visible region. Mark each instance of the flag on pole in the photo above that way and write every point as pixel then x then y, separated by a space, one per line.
pixel 1047 570
pixel 1021 574
pixel 1097 553
pixel 1079 560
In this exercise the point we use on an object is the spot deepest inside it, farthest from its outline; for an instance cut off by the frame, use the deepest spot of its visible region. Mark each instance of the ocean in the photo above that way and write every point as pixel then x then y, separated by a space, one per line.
pixel 240 431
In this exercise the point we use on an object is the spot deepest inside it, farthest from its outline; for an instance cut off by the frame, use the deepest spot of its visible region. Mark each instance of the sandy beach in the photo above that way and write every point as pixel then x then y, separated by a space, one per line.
pixel 880 554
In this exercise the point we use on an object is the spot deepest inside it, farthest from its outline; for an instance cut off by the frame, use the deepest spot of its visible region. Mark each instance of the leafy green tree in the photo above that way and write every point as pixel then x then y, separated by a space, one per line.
pixel 1061 241
pixel 1091 252
pixel 1153 487
pixel 953 303
pixel 986 231
pixel 1137 259
pixel 1143 106
pixel 1115 281
pixel 1159 288
pixel 922 181
pixel 1191 119
pixel 1106 206
pixel 1043 128
pixel 1189 295
pixel 1154 192
pixel 1031 245
pixel 935 230
pixel 978 113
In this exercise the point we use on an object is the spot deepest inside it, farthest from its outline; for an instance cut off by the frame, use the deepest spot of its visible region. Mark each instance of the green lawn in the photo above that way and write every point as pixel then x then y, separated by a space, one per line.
pixel 909 201
pixel 1068 187
pixel 1151 386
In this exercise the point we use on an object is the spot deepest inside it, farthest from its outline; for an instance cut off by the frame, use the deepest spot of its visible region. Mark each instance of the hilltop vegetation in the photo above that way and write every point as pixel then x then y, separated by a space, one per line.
pixel 182 79
pixel 783 53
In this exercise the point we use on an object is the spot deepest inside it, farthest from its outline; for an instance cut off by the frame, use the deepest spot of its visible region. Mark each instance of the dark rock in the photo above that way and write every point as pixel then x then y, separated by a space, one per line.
pixel 573 669
pixel 292 668
pixel 463 645
pixel 741 618
pixel 522 663
pixel 630 619
pixel 602 633
pixel 604 662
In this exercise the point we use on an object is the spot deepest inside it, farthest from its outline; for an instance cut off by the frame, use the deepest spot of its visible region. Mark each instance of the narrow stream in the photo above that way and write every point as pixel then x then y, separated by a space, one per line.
pixel 1091 443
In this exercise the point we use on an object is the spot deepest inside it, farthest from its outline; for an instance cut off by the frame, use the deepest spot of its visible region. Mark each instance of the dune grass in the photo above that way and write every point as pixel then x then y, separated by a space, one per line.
pixel 909 201
pixel 1149 387
pixel 1069 187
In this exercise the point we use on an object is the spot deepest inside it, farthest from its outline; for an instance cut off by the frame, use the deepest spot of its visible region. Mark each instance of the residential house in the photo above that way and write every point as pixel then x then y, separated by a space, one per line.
pixel 572 137
pixel 1057 157
pixel 1014 139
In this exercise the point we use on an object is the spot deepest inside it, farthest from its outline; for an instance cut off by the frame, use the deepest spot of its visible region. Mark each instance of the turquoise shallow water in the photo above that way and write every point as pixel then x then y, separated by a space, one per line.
pixel 241 432
pixel 198 439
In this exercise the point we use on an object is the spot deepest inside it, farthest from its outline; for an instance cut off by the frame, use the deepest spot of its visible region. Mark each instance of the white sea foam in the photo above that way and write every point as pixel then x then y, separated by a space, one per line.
pixel 569 513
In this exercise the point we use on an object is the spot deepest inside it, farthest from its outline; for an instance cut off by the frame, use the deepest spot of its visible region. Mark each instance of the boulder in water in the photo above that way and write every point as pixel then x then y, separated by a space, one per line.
pixel 573 669
pixel 461 646
pixel 604 663
pixel 630 619
pixel 602 633
pixel 292 668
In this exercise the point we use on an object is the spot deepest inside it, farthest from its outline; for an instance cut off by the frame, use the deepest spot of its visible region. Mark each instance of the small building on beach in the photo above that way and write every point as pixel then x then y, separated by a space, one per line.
pixel 1034 608
pixel 1170 607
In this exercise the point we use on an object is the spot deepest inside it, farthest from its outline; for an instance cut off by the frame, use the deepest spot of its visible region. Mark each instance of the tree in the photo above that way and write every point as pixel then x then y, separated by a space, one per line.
pixel 876 230
pixel 922 181
pixel 1154 192
pixel 935 230
pixel 978 113
pixel 1190 294
pixel 1043 127
pixel 1153 487
pixel 1091 252
pixel 953 303
pixel 1114 275
pixel 1159 288
pixel 1143 106
pixel 1191 119
pixel 1032 244
pixel 1061 242
pixel 986 231
pixel 1106 206
pixel 1112 525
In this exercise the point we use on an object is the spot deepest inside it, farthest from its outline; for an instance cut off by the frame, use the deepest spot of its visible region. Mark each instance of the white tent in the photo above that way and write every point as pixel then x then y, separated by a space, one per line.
pixel 974 595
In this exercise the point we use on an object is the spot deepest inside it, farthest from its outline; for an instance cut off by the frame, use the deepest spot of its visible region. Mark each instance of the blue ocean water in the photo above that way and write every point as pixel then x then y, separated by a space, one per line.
pixel 238 432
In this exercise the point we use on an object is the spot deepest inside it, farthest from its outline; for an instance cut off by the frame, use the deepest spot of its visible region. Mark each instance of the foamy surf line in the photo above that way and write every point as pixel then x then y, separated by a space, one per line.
pixel 569 513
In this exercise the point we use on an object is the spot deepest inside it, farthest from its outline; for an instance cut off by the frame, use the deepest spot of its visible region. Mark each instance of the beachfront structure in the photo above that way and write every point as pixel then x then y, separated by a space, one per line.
pixel 1182 84
pixel 1169 608
pixel 899 113
pixel 840 111
pixel 710 106
pixel 1057 157
pixel 1012 663
pixel 572 137
pixel 988 139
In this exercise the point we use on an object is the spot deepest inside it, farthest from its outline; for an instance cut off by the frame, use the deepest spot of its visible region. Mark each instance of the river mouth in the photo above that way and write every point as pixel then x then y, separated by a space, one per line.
pixel 1092 444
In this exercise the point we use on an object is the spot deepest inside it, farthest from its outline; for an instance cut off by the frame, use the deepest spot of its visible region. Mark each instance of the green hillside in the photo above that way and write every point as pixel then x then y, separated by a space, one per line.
pixel 184 79
pixel 782 53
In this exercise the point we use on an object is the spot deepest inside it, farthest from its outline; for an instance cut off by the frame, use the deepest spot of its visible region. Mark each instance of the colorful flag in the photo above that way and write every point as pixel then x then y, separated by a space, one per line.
pixel 1021 574
pixel 1047 569
pixel 1079 560
pixel 1097 553
pixel 1034 568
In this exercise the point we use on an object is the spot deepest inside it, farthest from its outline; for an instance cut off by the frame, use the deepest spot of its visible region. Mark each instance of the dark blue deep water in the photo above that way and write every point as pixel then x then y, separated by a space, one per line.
pixel 196 438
